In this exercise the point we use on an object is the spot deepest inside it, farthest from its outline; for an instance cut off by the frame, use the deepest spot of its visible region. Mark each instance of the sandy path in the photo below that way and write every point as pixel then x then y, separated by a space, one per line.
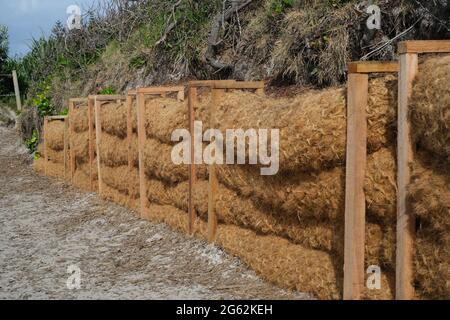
pixel 47 226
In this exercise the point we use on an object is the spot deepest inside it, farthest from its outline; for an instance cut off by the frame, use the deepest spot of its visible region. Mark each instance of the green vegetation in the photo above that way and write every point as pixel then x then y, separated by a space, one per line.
pixel 107 91
pixel 42 101
pixel 32 142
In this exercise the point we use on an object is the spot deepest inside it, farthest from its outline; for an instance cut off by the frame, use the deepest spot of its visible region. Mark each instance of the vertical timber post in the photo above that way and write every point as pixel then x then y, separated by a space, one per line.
pixel 17 90
pixel 98 131
pixel 192 100
pixel 217 95
pixel 129 103
pixel 45 144
pixel 66 146
pixel 71 142
pixel 357 99
pixel 141 143
pixel 91 141
pixel 405 220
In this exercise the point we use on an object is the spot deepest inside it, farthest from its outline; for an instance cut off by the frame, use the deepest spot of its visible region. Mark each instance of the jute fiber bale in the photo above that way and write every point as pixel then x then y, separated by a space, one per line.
pixel 429 192
pixel 81 180
pixel 312 125
pixel 79 118
pixel 319 195
pixel 159 164
pixel 55 156
pixel 114 118
pixel 122 179
pixel 432 265
pixel 55 135
pixel 232 209
pixel 281 262
pixel 275 259
pixel 114 150
pixel 430 106
pixel 163 116
pixel 120 198
pixel 81 146
pixel 38 165
pixel 86 169
pixel 55 170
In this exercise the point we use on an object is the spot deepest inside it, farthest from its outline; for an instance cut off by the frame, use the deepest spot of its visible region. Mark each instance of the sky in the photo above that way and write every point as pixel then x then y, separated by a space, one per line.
pixel 26 19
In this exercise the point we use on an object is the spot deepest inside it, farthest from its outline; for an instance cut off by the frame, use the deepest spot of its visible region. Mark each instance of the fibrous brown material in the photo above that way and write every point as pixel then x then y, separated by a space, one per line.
pixel 79 119
pixel 432 265
pixel 430 106
pixel 122 179
pixel 429 195
pixel 267 255
pixel 80 143
pixel 114 118
pixel 318 196
pixel 55 135
pixel 163 116
pixel 312 125
pixel 114 150
pixel 158 163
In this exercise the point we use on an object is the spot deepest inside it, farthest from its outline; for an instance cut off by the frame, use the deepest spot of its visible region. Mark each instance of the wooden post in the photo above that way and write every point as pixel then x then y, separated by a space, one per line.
pixel 141 142
pixel 45 144
pixel 217 95
pixel 129 103
pixel 98 131
pixel 405 220
pixel 17 90
pixel 66 145
pixel 91 119
pixel 192 100
pixel 355 204
pixel 71 143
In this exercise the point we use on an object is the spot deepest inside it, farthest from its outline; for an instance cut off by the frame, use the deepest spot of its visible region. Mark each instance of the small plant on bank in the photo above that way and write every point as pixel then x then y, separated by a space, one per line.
pixel 32 142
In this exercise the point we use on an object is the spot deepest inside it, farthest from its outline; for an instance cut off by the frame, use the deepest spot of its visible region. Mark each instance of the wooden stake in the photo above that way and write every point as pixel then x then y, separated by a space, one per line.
pixel 192 214
pixel 71 143
pixel 66 146
pixel 354 191
pixel 45 144
pixel 405 220
pixel 98 131
pixel 129 103
pixel 217 95
pixel 17 90
pixel 141 142
pixel 91 142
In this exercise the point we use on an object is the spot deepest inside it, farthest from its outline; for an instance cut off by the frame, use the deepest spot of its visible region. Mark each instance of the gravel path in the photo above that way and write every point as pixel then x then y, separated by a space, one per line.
pixel 48 228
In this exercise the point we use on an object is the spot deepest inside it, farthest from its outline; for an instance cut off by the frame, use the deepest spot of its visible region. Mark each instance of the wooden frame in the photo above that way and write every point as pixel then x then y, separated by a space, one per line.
pixel 131 96
pixel 97 100
pixel 141 94
pixel 47 120
pixel 218 89
pixel 72 105
pixel 355 203
pixel 409 66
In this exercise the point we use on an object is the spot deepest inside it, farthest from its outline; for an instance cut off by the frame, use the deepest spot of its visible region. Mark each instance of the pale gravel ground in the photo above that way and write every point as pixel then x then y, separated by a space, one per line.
pixel 46 226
